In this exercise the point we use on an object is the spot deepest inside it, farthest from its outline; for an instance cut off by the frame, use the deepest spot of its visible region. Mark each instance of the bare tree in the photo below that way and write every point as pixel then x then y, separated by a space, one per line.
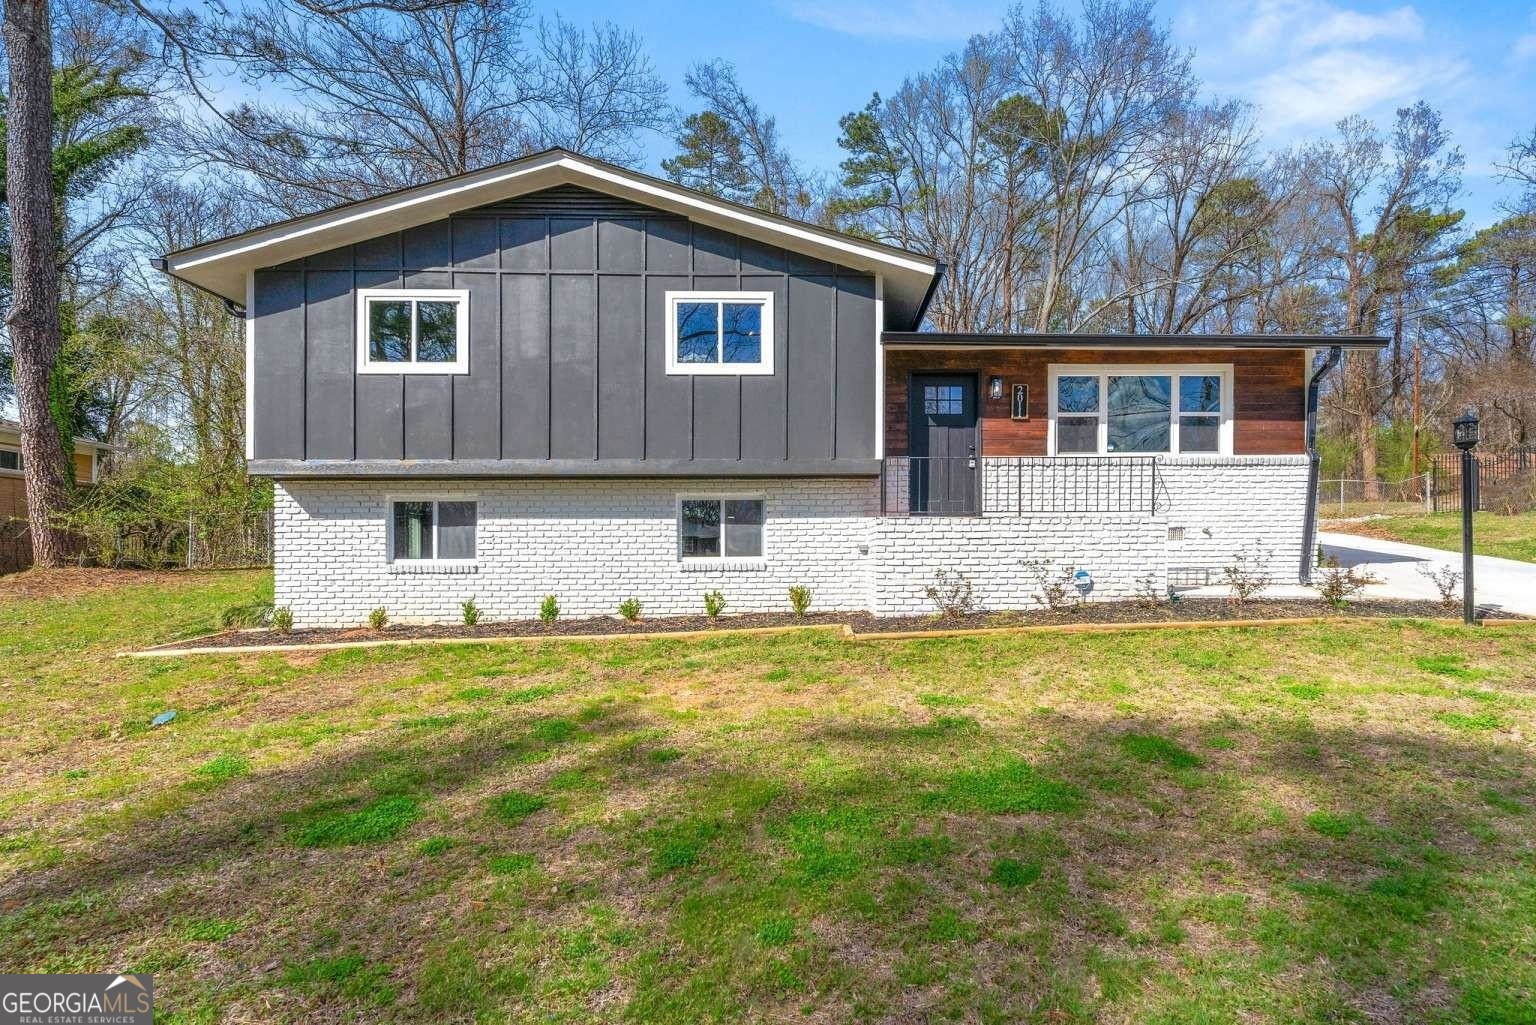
pixel 1386 201
pixel 396 95
pixel 733 149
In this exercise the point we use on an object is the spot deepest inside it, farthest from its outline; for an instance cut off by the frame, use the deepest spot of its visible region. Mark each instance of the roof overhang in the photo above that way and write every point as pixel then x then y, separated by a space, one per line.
pixel 221 266
pixel 958 340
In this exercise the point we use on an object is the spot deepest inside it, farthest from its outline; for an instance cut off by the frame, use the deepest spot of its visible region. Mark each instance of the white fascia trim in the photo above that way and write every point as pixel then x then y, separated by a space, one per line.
pixel 879 367
pixel 250 364
pixel 460 362
pixel 574 167
pixel 762 368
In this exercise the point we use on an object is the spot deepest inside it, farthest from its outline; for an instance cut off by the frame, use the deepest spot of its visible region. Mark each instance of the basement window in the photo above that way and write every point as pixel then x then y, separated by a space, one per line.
pixel 432 530
pixel 412 331
pixel 720 528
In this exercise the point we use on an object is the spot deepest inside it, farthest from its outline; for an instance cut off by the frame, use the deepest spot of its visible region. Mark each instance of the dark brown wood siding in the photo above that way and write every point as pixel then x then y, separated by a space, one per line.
pixel 1269 387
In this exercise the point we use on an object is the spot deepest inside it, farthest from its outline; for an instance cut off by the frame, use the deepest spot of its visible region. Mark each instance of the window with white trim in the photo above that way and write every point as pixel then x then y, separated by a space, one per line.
pixel 1141 409
pixel 10 459
pixel 720 528
pixel 432 529
pixel 412 331
pixel 720 332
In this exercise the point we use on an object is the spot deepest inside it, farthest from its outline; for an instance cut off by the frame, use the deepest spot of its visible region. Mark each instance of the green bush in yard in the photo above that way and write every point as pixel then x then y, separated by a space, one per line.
pixel 469 611
pixel 800 599
pixel 629 608
pixel 549 609
pixel 379 618
pixel 714 603
pixel 282 619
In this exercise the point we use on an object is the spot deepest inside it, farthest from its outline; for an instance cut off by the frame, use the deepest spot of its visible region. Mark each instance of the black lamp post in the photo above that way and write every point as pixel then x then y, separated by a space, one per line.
pixel 1464 431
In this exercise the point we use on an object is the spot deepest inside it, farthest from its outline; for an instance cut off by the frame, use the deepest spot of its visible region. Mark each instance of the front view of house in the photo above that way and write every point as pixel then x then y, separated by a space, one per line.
pixel 556 376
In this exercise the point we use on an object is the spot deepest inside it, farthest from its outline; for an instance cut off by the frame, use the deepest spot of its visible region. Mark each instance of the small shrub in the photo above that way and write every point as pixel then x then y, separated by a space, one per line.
pixel 1054 585
pixel 469 611
pixel 255 614
pixel 1447 581
pixel 379 618
pixel 1248 574
pixel 629 608
pixel 549 609
pixel 1321 560
pixel 952 593
pixel 800 599
pixel 282 619
pixel 1148 594
pixel 1339 585
pixel 714 603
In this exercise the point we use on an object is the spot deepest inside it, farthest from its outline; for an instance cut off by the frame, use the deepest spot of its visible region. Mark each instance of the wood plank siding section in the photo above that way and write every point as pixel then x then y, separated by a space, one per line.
pixel 1269 388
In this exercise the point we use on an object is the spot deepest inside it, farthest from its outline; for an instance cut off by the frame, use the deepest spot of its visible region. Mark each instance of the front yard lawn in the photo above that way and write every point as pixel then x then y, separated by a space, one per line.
pixel 1302 824
pixel 1507 537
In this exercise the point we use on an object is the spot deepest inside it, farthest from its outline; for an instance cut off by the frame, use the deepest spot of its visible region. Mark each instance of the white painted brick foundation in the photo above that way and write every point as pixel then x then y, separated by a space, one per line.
pixel 594 543
pixel 991 551
pixel 591 543
pixel 1227 503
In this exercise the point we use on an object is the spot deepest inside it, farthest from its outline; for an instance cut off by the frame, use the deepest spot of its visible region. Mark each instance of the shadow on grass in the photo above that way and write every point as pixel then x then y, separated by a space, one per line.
pixel 866 868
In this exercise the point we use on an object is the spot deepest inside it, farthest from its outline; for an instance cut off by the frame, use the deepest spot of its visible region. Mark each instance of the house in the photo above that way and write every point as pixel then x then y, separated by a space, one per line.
pixel 557 376
pixel 15 545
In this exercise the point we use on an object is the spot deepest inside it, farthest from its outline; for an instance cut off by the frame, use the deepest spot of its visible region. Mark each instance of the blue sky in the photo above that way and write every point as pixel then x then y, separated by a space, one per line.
pixel 1302 63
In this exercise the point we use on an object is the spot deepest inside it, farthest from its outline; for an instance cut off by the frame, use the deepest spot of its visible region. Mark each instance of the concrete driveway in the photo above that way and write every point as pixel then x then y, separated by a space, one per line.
pixel 1500 584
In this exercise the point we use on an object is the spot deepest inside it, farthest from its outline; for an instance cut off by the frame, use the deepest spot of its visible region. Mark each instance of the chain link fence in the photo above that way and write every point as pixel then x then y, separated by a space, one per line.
pixel 1347 498
pixel 196 543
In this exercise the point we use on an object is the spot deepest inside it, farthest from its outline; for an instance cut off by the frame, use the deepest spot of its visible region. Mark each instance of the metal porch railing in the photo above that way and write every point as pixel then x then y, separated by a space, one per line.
pixel 1018 485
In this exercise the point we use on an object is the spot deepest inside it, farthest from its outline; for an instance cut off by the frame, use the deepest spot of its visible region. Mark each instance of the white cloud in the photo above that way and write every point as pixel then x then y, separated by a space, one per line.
pixel 1316 92
pixel 1298 26
pixel 907 19
pixel 1525 47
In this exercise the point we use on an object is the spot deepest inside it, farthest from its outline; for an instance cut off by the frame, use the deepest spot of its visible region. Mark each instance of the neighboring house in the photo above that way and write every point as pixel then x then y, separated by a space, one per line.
pixel 556 376
pixel 15 544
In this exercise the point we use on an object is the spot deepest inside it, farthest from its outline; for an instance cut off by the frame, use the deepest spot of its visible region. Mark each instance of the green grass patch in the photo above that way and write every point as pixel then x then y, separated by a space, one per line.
pixel 379 822
pixel 1012 787
pixel 220 770
pixel 1011 873
pixel 348 976
pixel 1146 747
pixel 1478 722
pixel 1328 824
pixel 434 846
pixel 208 930
pixel 516 805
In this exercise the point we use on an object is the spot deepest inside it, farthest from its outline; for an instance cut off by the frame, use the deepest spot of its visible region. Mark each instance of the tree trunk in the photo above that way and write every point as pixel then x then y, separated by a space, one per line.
pixel 34 315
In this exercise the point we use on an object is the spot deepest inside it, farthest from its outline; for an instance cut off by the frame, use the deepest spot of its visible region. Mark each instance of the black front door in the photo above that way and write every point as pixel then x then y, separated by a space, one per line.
pixel 942 440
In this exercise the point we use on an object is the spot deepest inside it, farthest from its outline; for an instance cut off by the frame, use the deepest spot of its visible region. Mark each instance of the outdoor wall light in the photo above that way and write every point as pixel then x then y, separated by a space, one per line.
pixel 995 389
pixel 1464 430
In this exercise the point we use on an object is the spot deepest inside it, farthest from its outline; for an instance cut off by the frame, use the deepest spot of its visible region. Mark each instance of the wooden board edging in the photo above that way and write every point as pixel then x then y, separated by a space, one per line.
pixel 847 632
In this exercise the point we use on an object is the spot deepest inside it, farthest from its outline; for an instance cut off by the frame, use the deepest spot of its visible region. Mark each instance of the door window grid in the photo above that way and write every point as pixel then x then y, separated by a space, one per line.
pixel 943 399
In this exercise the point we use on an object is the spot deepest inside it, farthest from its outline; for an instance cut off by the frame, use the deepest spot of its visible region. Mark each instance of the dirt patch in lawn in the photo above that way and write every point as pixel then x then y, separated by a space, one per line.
pixel 74 582
pixel 1192 609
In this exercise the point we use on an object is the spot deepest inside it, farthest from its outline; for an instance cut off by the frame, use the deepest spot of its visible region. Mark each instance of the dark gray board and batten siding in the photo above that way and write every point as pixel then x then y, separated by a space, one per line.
pixel 567 362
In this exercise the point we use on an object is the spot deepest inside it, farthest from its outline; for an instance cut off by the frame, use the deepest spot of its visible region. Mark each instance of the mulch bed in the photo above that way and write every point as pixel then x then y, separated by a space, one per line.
pixel 1201 609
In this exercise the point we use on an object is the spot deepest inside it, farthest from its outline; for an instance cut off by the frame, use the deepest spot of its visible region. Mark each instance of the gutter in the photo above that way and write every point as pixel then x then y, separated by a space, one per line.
pixel 1309 531
pixel 231 307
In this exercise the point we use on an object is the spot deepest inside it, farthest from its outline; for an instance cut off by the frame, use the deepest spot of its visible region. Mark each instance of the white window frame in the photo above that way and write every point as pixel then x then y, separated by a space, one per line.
pixel 435 498
pixel 1104 371
pixel 7 471
pixel 722 559
pixel 459 296
pixel 763 366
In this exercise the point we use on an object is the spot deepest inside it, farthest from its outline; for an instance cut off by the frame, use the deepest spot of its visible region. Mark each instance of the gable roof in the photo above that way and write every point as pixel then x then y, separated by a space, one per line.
pixel 221 266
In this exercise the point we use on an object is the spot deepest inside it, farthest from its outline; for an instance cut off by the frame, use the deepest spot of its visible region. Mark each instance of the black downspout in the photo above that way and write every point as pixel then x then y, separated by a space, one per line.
pixel 1309 532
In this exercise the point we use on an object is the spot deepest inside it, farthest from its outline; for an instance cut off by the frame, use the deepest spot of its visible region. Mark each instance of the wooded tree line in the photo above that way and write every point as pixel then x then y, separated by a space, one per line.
pixel 1068 169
